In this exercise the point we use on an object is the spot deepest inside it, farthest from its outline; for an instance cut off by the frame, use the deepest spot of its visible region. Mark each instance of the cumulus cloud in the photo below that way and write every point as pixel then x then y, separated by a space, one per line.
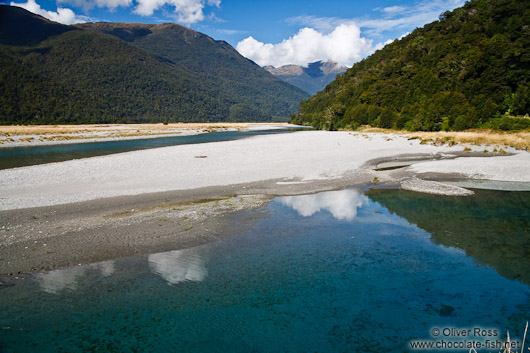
pixel 387 22
pixel 188 11
pixel 179 265
pixel 54 282
pixel 343 45
pixel 63 15
pixel 90 4
pixel 341 204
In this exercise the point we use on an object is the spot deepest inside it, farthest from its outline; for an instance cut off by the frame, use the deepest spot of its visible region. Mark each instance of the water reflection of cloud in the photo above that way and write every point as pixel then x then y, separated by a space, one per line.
pixel 56 281
pixel 179 265
pixel 341 204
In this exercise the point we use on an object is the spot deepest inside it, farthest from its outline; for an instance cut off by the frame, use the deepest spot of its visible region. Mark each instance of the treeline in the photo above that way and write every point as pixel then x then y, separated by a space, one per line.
pixel 469 69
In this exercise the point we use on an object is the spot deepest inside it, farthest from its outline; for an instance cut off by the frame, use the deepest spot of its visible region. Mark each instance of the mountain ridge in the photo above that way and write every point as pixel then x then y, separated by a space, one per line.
pixel 312 78
pixel 81 74
pixel 215 62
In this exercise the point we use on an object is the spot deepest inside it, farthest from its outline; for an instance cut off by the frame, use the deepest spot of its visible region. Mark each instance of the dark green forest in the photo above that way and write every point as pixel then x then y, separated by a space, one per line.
pixel 121 73
pixel 470 69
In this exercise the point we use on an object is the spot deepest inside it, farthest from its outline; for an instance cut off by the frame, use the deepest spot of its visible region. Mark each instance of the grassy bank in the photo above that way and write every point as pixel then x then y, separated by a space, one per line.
pixel 519 140
pixel 70 129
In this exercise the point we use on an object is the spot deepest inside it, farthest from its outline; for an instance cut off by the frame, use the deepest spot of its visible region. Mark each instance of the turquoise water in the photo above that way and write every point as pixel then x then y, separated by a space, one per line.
pixel 340 271
pixel 25 156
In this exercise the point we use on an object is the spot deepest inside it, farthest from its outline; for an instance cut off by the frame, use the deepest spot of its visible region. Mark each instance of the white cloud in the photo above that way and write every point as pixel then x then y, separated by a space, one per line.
pixel 112 4
pixel 322 24
pixel 388 22
pixel 382 45
pixel 63 15
pixel 343 45
pixel 401 19
pixel 393 9
pixel 341 204
pixel 230 32
pixel 188 11
pixel 90 4
pixel 56 281
pixel 179 265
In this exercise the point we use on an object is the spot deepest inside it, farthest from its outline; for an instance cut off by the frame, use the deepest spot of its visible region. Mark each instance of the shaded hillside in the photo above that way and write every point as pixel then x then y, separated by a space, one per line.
pixel 53 73
pixel 17 27
pixel 312 78
pixel 215 63
pixel 463 71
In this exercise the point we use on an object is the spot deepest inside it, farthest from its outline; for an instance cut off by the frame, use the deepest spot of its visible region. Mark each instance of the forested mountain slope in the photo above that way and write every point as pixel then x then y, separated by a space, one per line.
pixel 51 73
pixel 215 63
pixel 465 70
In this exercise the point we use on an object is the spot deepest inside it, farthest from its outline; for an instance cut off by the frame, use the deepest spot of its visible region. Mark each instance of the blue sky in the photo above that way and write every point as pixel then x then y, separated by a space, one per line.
pixel 271 32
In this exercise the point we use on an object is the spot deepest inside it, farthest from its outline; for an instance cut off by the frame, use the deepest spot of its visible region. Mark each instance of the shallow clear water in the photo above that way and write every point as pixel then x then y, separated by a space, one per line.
pixel 24 156
pixel 329 272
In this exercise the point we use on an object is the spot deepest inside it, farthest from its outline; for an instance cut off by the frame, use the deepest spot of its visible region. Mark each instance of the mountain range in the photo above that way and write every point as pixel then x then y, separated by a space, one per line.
pixel 312 78
pixel 469 69
pixel 116 72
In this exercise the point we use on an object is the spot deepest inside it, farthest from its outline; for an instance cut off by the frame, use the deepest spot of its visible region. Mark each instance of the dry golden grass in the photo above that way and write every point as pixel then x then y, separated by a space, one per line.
pixel 507 346
pixel 27 134
pixel 139 128
pixel 519 140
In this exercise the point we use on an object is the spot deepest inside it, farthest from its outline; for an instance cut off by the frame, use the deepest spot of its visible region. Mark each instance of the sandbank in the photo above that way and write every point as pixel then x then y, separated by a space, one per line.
pixel 44 135
pixel 130 203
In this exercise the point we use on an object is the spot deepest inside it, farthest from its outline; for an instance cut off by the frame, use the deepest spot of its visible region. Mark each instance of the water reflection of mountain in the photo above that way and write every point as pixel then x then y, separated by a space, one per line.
pixel 342 204
pixel 491 226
